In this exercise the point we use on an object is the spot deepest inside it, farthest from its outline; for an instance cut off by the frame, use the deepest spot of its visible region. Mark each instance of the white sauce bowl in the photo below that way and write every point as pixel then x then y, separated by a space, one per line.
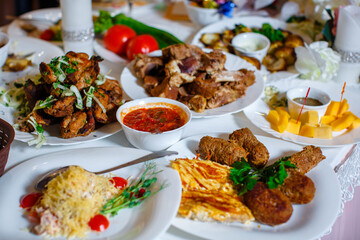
pixel 300 92
pixel 251 44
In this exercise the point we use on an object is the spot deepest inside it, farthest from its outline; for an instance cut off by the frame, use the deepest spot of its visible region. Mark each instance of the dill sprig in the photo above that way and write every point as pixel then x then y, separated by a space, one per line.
pixel 137 191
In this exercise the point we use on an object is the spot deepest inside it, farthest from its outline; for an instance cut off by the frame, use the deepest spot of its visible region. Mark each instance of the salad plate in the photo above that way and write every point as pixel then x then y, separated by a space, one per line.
pixel 134 89
pixel 44 52
pixel 146 221
pixel 308 221
pixel 258 111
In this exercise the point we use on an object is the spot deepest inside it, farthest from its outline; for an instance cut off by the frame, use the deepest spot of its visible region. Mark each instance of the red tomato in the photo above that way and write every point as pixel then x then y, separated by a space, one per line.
pixel 141 44
pixel 99 223
pixel 30 199
pixel 47 35
pixel 116 37
pixel 119 182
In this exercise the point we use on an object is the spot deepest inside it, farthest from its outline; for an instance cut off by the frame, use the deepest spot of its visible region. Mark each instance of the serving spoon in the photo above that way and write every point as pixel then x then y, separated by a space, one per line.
pixel 41 184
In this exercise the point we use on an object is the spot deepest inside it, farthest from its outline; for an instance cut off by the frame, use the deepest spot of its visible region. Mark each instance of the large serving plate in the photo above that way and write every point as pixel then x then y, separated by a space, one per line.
pixel 44 52
pixel 257 112
pixel 309 221
pixel 134 89
pixel 146 221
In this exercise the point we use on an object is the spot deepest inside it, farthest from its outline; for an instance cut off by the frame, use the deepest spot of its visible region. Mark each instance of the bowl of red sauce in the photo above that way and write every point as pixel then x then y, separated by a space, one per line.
pixel 154 123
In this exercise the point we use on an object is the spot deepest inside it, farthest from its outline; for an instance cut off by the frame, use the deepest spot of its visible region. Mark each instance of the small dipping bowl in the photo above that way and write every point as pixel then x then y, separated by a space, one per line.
pixel 153 141
pixel 4 48
pixel 251 44
pixel 314 93
pixel 200 16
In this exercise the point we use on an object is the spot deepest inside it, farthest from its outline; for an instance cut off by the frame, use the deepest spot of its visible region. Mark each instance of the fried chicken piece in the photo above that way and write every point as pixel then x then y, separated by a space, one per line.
pixel 299 188
pixel 77 124
pixel 307 159
pixel 40 117
pixel 62 107
pixel 269 206
pixel 33 92
pixel 220 150
pixel 99 114
pixel 258 155
pixel 213 61
pixel 113 89
pixel 181 51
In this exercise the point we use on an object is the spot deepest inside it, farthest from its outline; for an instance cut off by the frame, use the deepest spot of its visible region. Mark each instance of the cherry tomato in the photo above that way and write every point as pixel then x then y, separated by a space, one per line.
pixel 119 182
pixel 116 38
pixel 141 44
pixel 47 35
pixel 30 199
pixel 99 223
pixel 141 193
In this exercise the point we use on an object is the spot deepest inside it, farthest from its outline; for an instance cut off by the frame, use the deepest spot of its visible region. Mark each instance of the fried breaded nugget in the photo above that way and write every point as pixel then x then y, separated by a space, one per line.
pixel 258 155
pixel 307 159
pixel 299 188
pixel 220 150
pixel 269 206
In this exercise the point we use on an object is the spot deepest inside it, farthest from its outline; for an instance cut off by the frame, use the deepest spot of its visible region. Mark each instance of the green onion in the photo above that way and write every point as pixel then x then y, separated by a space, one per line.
pixel 45 104
pixel 89 94
pixel 40 140
pixel 79 103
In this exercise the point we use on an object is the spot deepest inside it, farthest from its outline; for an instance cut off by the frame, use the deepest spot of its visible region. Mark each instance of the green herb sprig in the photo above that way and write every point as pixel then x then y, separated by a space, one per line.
pixel 135 193
pixel 271 33
pixel 245 177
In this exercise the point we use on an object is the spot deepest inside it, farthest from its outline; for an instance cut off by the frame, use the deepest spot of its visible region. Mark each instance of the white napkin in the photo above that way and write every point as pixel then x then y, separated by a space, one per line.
pixel 347 44
pixel 77 25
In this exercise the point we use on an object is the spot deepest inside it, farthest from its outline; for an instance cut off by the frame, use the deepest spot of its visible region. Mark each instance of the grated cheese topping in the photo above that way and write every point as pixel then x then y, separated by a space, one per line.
pixel 70 201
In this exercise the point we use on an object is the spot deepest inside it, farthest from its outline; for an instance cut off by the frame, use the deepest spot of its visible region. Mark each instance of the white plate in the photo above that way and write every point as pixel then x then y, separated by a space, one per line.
pixel 146 221
pixel 308 221
pixel 44 52
pixel 249 21
pixel 257 113
pixel 133 87
pixel 107 54
pixel 49 15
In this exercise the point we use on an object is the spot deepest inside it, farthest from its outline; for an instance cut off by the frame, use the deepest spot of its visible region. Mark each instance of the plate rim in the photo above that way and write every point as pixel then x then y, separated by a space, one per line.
pixel 260 83
pixel 325 166
pixel 43 159
pixel 296 138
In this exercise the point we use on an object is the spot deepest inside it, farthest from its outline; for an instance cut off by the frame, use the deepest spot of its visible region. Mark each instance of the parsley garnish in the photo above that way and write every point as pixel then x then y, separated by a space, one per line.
pixel 271 33
pixel 245 177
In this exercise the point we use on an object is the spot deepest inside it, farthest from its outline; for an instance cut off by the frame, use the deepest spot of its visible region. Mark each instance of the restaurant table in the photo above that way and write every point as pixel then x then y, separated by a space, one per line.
pixel 345 227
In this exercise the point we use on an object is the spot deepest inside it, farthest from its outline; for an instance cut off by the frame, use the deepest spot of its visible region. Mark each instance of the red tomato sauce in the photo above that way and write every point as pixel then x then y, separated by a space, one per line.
pixel 154 120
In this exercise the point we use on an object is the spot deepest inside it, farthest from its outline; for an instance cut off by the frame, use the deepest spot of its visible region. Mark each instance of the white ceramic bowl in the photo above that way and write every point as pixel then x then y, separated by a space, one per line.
pixel 300 92
pixel 4 48
pixel 251 44
pixel 202 16
pixel 153 141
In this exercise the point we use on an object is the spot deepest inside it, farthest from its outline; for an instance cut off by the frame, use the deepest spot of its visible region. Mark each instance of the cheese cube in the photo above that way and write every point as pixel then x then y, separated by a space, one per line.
pixel 311 117
pixel 293 126
pixel 327 119
pixel 273 117
pixel 354 124
pixel 282 110
pixel 333 108
pixel 323 132
pixel 344 106
pixel 307 130
pixel 282 124
pixel 343 122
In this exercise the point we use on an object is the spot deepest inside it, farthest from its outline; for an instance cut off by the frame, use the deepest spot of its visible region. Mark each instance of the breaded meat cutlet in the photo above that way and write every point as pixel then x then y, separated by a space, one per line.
pixel 220 150
pixel 307 159
pixel 269 206
pixel 299 188
pixel 258 155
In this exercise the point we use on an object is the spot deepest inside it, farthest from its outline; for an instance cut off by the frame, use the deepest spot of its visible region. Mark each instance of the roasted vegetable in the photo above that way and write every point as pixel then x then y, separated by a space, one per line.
pixel 210 38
